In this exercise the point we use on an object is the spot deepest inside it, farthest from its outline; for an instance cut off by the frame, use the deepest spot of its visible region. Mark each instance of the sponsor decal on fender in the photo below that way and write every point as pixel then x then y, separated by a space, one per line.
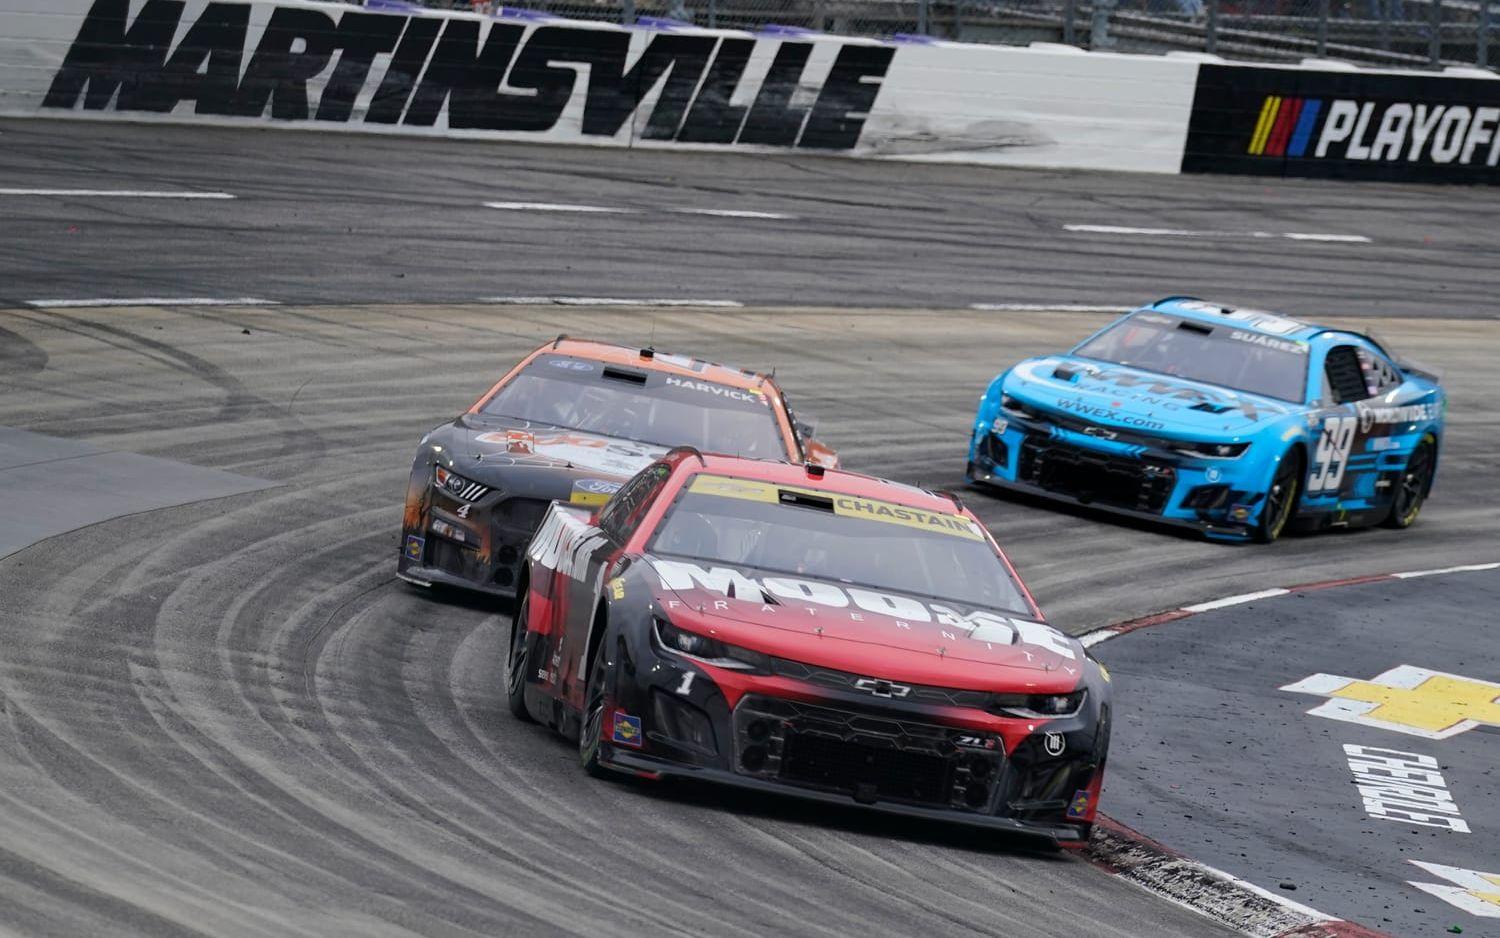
pixel 1406 413
pixel 315 65
pixel 1079 806
pixel 565 542
pixel 625 729
pixel 593 491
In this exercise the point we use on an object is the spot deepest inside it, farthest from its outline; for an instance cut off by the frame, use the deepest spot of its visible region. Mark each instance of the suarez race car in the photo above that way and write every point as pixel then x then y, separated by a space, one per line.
pixel 1236 422
pixel 571 422
pixel 822 634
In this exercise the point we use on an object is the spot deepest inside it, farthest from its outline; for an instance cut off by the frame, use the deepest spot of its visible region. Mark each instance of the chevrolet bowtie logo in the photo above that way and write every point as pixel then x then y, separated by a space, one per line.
pixel 882 688
pixel 1475 892
pixel 1406 699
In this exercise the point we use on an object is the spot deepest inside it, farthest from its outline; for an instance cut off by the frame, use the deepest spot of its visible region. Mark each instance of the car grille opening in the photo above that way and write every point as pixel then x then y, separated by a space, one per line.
pixel 1095 477
pixel 850 765
pixel 868 755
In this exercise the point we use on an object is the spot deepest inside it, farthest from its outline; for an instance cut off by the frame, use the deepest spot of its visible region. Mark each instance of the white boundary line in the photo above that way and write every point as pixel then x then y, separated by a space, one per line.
pixel 1469 568
pixel 1235 600
pixel 117 193
pixel 1045 308
pixel 1189 233
pixel 607 301
pixel 152 301
pixel 732 213
pixel 560 207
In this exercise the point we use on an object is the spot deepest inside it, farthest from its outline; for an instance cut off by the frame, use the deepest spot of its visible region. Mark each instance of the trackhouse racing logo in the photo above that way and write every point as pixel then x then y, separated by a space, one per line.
pixel 1375 131
pixel 314 65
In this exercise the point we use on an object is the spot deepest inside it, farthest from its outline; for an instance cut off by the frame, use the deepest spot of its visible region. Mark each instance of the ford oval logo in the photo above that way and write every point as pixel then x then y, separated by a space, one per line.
pixel 598 487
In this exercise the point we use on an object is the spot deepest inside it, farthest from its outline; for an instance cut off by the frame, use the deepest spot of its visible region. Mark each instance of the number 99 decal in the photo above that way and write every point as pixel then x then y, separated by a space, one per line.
pixel 1332 456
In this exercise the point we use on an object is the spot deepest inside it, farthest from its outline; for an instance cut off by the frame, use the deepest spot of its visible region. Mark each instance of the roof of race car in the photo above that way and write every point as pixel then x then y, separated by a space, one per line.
pixel 664 362
pixel 1256 320
pixel 834 481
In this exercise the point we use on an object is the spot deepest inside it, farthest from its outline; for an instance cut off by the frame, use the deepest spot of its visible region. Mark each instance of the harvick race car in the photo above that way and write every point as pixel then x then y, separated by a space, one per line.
pixel 1236 422
pixel 571 422
pixel 828 635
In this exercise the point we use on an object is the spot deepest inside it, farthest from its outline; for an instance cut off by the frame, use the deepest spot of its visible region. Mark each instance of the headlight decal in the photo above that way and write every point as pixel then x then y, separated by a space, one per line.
pixel 1038 706
pixel 456 485
pixel 708 650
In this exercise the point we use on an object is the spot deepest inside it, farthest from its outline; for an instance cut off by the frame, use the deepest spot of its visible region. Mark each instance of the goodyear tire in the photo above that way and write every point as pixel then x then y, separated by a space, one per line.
pixel 1281 498
pixel 591 733
pixel 517 663
pixel 1414 484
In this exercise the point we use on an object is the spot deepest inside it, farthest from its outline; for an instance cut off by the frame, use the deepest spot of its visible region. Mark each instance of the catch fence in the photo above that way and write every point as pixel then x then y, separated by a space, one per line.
pixel 1397 33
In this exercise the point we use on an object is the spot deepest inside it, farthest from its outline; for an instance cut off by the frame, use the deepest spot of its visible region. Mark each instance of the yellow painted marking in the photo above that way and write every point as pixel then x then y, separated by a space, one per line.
pixel 1434 705
pixel 1263 126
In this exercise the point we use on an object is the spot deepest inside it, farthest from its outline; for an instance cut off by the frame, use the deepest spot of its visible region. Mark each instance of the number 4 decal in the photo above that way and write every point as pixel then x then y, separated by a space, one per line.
pixel 1334 444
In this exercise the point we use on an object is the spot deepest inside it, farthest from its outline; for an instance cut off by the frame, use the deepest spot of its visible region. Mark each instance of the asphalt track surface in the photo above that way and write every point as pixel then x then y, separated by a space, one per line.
pixel 229 718
pixel 1210 755
pixel 339 218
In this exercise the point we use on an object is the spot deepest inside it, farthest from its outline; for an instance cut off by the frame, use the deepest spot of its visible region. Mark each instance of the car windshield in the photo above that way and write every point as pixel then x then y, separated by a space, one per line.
pixel 841 538
pixel 1224 355
pixel 645 406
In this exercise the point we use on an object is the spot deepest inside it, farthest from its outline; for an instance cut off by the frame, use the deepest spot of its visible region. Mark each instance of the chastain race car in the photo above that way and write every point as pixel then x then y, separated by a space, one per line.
pixel 1236 422
pixel 822 634
pixel 571 422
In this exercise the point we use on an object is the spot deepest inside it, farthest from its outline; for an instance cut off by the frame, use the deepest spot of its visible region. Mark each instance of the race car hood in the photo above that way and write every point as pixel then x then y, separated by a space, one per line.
pixel 1143 401
pixel 497 442
pixel 888 635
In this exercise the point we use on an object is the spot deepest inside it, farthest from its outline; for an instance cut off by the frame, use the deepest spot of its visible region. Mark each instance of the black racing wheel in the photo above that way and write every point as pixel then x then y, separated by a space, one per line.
pixel 1414 484
pixel 592 731
pixel 515 671
pixel 1281 498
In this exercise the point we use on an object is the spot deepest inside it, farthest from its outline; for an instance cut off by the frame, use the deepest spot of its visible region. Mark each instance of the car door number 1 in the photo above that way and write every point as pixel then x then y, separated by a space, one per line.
pixel 1334 444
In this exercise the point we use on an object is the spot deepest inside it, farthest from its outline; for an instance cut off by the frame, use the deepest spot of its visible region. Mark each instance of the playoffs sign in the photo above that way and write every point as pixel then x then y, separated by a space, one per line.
pixel 307 63
pixel 1293 122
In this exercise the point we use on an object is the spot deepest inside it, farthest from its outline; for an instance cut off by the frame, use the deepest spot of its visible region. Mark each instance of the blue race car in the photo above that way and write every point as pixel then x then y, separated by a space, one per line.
pixel 1236 422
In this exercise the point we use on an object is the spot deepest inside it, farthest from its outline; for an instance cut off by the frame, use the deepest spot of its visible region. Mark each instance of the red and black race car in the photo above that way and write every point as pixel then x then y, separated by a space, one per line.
pixel 819 633
pixel 571 422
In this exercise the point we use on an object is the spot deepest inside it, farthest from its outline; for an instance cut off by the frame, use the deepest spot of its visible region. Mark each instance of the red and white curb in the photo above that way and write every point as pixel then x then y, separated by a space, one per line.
pixel 1227 899
pixel 1090 639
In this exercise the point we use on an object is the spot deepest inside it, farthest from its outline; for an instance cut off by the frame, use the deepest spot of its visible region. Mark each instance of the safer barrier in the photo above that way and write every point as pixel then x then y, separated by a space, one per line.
pixel 408 71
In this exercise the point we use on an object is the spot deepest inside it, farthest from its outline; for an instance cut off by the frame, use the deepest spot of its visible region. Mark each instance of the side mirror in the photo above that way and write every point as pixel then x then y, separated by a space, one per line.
pixel 819 455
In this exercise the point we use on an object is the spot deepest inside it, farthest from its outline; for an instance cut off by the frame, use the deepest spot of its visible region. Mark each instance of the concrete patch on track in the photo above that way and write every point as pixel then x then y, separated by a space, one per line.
pixel 50 486
pixel 1340 742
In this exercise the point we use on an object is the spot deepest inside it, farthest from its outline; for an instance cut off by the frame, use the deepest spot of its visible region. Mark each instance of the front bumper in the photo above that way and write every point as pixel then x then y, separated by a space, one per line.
pixel 477 546
pixel 625 760
pixel 937 759
pixel 1067 467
